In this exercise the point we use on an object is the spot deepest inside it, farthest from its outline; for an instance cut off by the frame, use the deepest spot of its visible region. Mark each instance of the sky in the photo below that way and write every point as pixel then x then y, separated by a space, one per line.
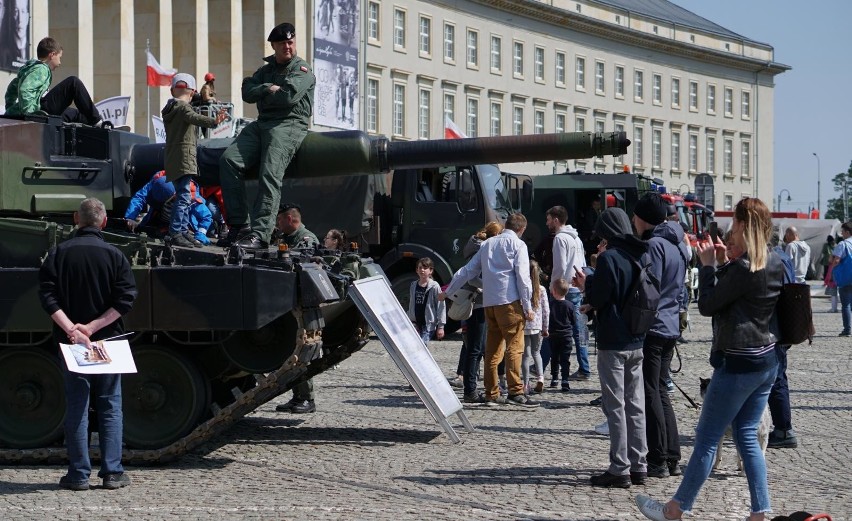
pixel 813 100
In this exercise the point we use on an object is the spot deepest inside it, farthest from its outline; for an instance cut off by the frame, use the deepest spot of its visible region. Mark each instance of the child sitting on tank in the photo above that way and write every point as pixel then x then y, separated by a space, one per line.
pixel 180 120
pixel 156 200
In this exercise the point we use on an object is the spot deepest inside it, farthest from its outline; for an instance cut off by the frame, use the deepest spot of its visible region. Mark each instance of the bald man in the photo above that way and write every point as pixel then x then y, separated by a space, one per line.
pixel 799 251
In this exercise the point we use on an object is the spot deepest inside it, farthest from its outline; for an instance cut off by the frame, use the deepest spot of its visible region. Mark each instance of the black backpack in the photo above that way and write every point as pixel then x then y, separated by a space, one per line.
pixel 640 307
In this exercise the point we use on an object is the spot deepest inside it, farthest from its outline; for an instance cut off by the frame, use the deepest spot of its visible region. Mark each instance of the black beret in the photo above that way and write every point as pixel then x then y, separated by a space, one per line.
pixel 282 32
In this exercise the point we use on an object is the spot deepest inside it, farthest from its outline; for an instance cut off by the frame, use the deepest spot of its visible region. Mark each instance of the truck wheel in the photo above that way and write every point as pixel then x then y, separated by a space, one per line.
pixel 401 286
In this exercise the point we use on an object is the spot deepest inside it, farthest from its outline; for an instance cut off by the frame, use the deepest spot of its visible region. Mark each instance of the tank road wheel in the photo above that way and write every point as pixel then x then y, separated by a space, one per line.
pixel 265 349
pixel 165 400
pixel 32 398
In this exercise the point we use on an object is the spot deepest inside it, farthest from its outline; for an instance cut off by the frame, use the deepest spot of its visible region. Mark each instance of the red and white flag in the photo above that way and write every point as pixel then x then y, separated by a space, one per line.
pixel 451 131
pixel 157 75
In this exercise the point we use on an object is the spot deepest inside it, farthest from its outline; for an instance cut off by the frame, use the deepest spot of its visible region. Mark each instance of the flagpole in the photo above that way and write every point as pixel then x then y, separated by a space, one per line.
pixel 148 87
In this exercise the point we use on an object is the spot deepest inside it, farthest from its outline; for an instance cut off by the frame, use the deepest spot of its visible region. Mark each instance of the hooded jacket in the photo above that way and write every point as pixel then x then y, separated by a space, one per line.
pixel 568 254
pixel 667 256
pixel 180 120
pixel 436 310
pixel 24 93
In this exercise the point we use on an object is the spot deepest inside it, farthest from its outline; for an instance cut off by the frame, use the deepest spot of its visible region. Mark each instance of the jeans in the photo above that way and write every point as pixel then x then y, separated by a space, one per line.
pixel 581 332
pixel 462 357
pixel 623 404
pixel 736 399
pixel 532 355
pixel 505 336
pixel 57 102
pixel 106 390
pixel 180 211
pixel 426 336
pixel 779 396
pixel 474 346
pixel 845 293
pixel 661 423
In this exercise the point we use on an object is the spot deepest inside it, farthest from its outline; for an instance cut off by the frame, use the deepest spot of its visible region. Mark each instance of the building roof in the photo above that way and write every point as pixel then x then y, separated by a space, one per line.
pixel 667 11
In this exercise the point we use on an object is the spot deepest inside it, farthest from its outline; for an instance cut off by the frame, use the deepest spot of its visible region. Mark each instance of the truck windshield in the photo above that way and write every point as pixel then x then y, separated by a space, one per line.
pixel 493 186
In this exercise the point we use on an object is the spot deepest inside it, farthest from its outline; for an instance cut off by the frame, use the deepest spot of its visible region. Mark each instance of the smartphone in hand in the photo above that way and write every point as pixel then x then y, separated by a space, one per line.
pixel 713 230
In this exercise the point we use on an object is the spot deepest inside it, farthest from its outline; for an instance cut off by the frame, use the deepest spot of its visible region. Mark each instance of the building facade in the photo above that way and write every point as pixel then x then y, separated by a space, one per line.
pixel 693 97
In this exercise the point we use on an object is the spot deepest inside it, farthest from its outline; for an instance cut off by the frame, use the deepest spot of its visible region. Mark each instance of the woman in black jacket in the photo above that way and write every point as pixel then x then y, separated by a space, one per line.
pixel 740 296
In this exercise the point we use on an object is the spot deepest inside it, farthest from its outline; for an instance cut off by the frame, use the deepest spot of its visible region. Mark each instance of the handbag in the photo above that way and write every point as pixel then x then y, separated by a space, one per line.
pixel 795 317
pixel 831 291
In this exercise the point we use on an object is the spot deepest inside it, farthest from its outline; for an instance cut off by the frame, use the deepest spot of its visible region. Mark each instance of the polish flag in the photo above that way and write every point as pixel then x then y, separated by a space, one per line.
pixel 451 131
pixel 157 75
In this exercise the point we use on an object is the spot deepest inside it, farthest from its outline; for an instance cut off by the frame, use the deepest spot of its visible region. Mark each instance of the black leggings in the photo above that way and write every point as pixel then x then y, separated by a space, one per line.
pixel 57 102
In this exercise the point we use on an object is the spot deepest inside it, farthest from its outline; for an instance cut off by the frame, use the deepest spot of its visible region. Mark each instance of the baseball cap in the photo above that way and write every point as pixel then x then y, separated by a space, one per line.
pixel 183 81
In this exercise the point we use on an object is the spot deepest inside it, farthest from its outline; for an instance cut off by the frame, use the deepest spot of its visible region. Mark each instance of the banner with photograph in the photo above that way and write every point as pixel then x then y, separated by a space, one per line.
pixel 335 62
pixel 14 34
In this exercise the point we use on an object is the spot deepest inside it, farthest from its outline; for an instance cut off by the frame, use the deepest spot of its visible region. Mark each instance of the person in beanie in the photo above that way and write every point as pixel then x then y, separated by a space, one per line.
pixel 283 90
pixel 619 351
pixel 667 257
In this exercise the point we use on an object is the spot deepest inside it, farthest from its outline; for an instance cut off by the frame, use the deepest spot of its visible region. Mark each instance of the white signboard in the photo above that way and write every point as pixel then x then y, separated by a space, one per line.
pixel 114 109
pixel 377 303
pixel 159 129
pixel 105 357
pixel 337 36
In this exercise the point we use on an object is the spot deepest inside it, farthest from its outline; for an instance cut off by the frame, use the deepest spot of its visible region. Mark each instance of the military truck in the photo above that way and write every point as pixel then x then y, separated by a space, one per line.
pixel 218 332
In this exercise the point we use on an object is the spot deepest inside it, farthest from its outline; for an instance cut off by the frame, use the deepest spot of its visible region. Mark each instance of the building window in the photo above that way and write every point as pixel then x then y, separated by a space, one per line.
pixel 539 122
pixel 472 48
pixel 729 157
pixel 745 167
pixel 560 123
pixel 619 82
pixel 693 95
pixel 373 20
pixel 729 202
pixel 560 68
pixel 450 106
pixel 518 121
pixel 600 86
pixel 399 29
pixel 372 105
pixel 675 92
pixel 496 54
pixel 599 126
pixel 518 58
pixel 449 42
pixel 579 124
pixel 657 148
pixel 619 127
pixel 398 109
pixel 424 116
pixel 675 150
pixel 711 99
pixel 711 154
pixel 746 105
pixel 539 63
pixel 638 85
pixel 472 117
pixel 657 89
pixel 637 145
pixel 496 119
pixel 729 102
pixel 425 35
pixel 693 153
pixel 580 73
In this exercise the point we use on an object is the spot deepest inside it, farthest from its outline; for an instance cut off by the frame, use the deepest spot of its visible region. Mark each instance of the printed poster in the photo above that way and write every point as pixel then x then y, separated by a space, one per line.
pixel 335 63
pixel 14 34
pixel 104 357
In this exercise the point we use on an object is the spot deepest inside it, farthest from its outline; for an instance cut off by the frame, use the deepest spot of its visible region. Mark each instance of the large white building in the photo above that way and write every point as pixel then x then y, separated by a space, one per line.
pixel 692 96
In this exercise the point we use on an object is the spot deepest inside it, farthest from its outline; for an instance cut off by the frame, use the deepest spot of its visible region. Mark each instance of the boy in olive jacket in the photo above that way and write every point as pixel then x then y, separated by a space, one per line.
pixel 180 120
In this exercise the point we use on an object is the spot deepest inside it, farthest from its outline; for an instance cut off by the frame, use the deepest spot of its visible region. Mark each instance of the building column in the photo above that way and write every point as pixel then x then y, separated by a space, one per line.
pixel 115 68
pixel 153 20
pixel 226 50
pixel 258 20
pixel 190 26
pixel 72 26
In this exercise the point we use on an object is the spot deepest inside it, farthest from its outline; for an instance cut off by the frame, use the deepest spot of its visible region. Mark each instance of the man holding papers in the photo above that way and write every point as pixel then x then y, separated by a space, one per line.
pixel 86 286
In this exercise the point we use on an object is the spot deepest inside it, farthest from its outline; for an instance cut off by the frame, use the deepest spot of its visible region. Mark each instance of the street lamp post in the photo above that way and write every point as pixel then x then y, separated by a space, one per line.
pixel 819 199
pixel 778 208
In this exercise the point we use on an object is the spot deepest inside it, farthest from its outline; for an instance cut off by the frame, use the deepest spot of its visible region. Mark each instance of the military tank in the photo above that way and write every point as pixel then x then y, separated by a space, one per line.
pixel 217 331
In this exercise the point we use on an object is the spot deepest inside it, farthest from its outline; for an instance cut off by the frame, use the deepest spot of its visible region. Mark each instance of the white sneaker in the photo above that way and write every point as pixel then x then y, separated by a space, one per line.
pixel 650 508
pixel 602 429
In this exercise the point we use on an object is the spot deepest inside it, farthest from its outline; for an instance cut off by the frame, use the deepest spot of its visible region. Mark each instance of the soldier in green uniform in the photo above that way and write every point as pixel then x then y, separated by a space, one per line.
pixel 289 229
pixel 284 92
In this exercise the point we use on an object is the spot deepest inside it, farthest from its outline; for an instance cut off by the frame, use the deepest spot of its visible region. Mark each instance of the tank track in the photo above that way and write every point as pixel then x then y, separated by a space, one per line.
pixel 307 359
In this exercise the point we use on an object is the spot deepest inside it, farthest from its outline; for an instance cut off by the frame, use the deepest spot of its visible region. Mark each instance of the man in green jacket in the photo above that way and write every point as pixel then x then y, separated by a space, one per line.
pixel 284 92
pixel 26 92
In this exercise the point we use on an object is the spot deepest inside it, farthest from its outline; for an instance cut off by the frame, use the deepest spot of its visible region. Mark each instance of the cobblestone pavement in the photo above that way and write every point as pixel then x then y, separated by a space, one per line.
pixel 372 451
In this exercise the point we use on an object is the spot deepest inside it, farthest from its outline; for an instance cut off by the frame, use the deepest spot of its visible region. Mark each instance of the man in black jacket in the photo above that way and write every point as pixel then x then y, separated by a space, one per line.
pixel 86 286
pixel 619 351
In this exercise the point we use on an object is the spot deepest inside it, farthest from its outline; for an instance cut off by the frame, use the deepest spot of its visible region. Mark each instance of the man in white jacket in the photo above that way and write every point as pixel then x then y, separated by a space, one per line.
pixel 568 257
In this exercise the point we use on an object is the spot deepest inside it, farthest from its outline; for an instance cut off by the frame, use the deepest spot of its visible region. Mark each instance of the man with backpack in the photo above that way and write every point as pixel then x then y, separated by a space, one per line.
pixel 621 291
pixel 667 258
pixel 841 260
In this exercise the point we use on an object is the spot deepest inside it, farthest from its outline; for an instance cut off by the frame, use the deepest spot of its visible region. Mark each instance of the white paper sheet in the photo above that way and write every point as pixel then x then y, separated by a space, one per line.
pixel 108 357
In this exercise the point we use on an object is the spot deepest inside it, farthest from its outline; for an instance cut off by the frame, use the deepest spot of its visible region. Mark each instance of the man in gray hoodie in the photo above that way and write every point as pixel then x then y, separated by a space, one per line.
pixel 799 251
pixel 667 256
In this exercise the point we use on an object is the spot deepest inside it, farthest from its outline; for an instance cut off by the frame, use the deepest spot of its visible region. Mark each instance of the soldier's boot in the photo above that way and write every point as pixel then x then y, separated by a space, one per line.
pixel 235 233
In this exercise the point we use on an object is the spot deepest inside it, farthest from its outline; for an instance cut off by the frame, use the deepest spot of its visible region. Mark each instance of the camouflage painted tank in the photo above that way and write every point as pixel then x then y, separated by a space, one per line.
pixel 218 332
